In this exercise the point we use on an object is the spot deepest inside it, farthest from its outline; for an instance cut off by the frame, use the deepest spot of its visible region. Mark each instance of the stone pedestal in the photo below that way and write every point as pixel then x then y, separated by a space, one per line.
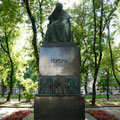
pixel 54 107
pixel 59 85
pixel 59 96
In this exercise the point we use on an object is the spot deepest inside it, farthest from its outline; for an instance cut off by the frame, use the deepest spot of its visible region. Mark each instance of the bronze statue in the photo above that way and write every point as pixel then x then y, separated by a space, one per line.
pixel 59 29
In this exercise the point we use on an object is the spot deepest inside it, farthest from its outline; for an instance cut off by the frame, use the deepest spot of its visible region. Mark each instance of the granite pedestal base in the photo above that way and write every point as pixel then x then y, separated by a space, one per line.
pixel 59 107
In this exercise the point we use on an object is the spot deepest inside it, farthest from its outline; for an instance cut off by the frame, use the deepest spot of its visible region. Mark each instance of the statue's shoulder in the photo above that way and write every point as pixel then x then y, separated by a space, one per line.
pixel 51 16
pixel 65 14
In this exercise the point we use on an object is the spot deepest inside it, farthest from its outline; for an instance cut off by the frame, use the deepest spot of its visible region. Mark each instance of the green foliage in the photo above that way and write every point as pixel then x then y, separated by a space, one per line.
pixel 9 16
pixel 30 72
pixel 29 88
pixel 82 27
pixel 40 9
pixel 83 30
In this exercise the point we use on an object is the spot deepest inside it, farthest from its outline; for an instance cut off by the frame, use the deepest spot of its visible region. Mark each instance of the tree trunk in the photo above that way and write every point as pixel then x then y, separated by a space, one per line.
pixel 19 92
pixel 97 64
pixel 3 89
pixel 80 70
pixel 86 83
pixel 34 40
pixel 41 18
pixel 95 58
pixel 9 94
pixel 11 79
pixel 107 84
pixel 94 89
pixel 11 62
pixel 111 55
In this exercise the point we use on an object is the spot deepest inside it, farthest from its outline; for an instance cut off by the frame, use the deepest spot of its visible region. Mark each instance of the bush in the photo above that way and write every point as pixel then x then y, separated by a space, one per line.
pixel 29 88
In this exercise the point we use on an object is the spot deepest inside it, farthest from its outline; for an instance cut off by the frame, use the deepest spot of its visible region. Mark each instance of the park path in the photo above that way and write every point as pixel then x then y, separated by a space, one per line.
pixel 10 107
pixel 112 110
pixel 4 112
pixel 7 108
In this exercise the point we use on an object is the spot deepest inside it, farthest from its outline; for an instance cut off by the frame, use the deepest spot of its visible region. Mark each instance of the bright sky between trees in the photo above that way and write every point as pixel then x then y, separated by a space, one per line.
pixel 69 3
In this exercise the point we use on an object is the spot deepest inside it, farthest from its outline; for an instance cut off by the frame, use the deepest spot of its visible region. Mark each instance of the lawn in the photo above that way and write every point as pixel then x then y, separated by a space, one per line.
pixel 104 102
pixel 86 96
pixel 100 101
pixel 97 96
pixel 13 96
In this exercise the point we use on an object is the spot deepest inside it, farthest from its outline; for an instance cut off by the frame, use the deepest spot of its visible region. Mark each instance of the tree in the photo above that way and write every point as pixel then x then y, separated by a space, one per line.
pixel 89 32
pixel 111 55
pixel 100 25
pixel 34 40
pixel 37 17
pixel 1 69
pixel 9 17
pixel 81 27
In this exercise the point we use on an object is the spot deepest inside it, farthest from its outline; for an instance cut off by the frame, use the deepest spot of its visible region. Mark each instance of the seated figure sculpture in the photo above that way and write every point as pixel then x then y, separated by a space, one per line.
pixel 59 29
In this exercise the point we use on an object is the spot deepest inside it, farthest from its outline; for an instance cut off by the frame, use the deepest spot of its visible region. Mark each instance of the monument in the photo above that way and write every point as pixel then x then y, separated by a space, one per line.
pixel 59 96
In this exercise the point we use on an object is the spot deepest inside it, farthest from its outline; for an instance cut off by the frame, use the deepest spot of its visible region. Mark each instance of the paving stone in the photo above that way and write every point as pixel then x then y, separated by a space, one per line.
pixel 87 117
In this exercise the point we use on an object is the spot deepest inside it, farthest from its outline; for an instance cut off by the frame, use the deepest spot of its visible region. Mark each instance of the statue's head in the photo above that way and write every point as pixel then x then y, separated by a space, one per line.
pixel 59 7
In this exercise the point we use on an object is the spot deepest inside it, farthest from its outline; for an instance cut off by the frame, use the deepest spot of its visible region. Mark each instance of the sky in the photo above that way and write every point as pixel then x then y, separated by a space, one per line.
pixel 68 3
pixel 117 39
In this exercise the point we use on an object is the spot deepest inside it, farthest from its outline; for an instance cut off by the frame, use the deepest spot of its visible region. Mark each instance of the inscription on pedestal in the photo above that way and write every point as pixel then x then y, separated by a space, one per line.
pixel 62 61
pixel 59 61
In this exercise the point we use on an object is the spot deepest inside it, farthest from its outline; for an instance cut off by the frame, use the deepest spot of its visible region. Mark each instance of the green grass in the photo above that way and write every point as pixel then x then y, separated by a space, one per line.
pixel 97 96
pixel 13 96
pixel 99 102
pixel 114 102
pixel 86 97
pixel 108 101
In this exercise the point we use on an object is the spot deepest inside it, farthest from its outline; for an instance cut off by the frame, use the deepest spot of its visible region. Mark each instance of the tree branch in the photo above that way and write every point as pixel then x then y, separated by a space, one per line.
pixel 34 40
pixel 111 54
pixel 1 70
pixel 4 48
pixel 110 14
pixel 84 61
pixel 100 34
pixel 41 18
pixel 12 29
pixel 6 39
pixel 117 69
pixel 95 54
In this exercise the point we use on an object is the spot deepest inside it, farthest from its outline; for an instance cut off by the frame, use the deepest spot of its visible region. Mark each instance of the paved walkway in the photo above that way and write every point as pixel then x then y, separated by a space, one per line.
pixel 10 107
pixel 4 112
pixel 87 117
pixel 7 111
